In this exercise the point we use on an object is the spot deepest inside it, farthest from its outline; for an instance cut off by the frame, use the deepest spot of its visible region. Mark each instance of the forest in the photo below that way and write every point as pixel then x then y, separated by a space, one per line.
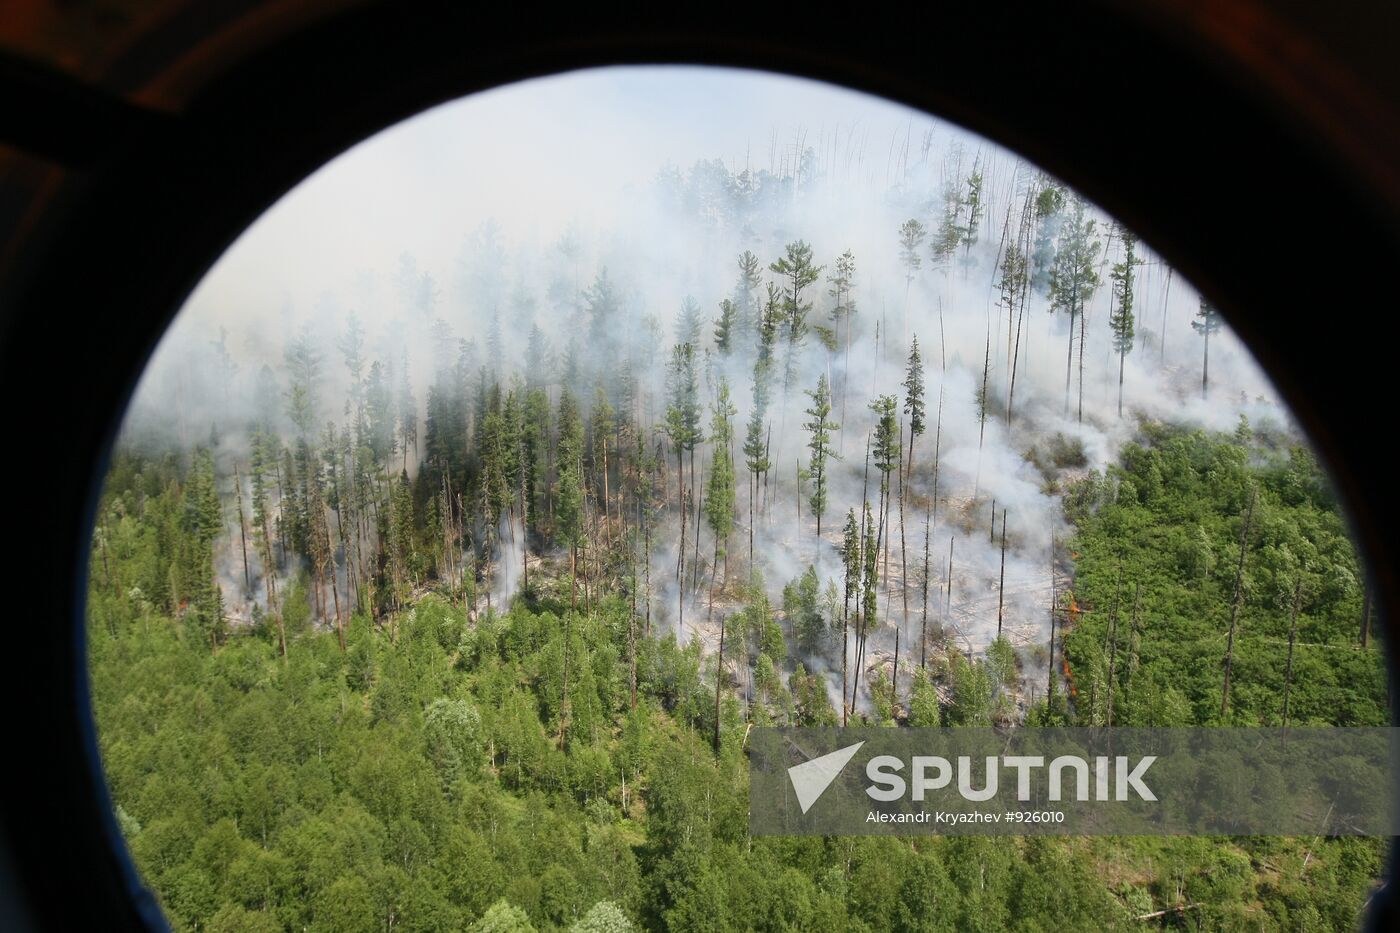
pixel 455 613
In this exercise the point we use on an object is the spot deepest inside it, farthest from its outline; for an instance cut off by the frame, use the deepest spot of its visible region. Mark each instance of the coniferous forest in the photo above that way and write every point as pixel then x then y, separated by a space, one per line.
pixel 443 595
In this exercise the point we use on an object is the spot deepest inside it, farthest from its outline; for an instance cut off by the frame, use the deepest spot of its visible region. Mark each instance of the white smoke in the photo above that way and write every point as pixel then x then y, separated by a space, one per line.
pixel 429 271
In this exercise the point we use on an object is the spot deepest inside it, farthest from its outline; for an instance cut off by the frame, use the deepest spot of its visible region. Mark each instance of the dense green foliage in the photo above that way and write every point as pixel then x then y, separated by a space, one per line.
pixel 1156 557
pixel 424 779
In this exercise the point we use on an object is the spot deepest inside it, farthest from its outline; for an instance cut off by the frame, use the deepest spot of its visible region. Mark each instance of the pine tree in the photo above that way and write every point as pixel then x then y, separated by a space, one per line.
pixel 842 280
pixel 1073 281
pixel 719 489
pixel 870 550
pixel 886 446
pixel 843 311
pixel 1207 322
pixel 1121 320
pixel 912 234
pixel 886 455
pixel 1049 205
pixel 796 267
pixel 1012 285
pixel 850 560
pixel 755 443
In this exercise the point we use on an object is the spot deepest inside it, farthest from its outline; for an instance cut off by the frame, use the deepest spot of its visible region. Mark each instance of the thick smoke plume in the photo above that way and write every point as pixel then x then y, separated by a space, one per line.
pixel 572 293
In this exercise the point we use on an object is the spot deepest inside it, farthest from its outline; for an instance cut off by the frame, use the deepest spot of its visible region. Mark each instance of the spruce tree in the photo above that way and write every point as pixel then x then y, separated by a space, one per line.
pixel 205 523
pixel 914 399
pixel 603 430
pixel 682 427
pixel 689 323
pixel 974 207
pixel 379 414
pixel 536 358
pixel 262 536
pixel 819 430
pixel 726 327
pixel 304 379
pixel 745 299
pixel 948 236
pixel 568 509
pixel 535 464
pixel 603 306
pixel 408 414
pixel 352 347
pixel 719 493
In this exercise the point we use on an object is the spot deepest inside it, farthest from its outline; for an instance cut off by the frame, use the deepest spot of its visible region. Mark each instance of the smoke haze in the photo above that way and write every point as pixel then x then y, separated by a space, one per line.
pixel 454 234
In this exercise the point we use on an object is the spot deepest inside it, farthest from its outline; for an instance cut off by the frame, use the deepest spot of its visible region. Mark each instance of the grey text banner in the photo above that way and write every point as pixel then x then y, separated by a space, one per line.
pixel 866 781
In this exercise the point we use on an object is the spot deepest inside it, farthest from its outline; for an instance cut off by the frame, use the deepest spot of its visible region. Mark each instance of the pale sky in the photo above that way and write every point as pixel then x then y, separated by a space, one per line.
pixel 584 148
pixel 536 155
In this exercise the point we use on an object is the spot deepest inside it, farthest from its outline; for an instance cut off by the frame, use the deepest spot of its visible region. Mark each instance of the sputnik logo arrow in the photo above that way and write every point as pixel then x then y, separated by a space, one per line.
pixel 811 778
